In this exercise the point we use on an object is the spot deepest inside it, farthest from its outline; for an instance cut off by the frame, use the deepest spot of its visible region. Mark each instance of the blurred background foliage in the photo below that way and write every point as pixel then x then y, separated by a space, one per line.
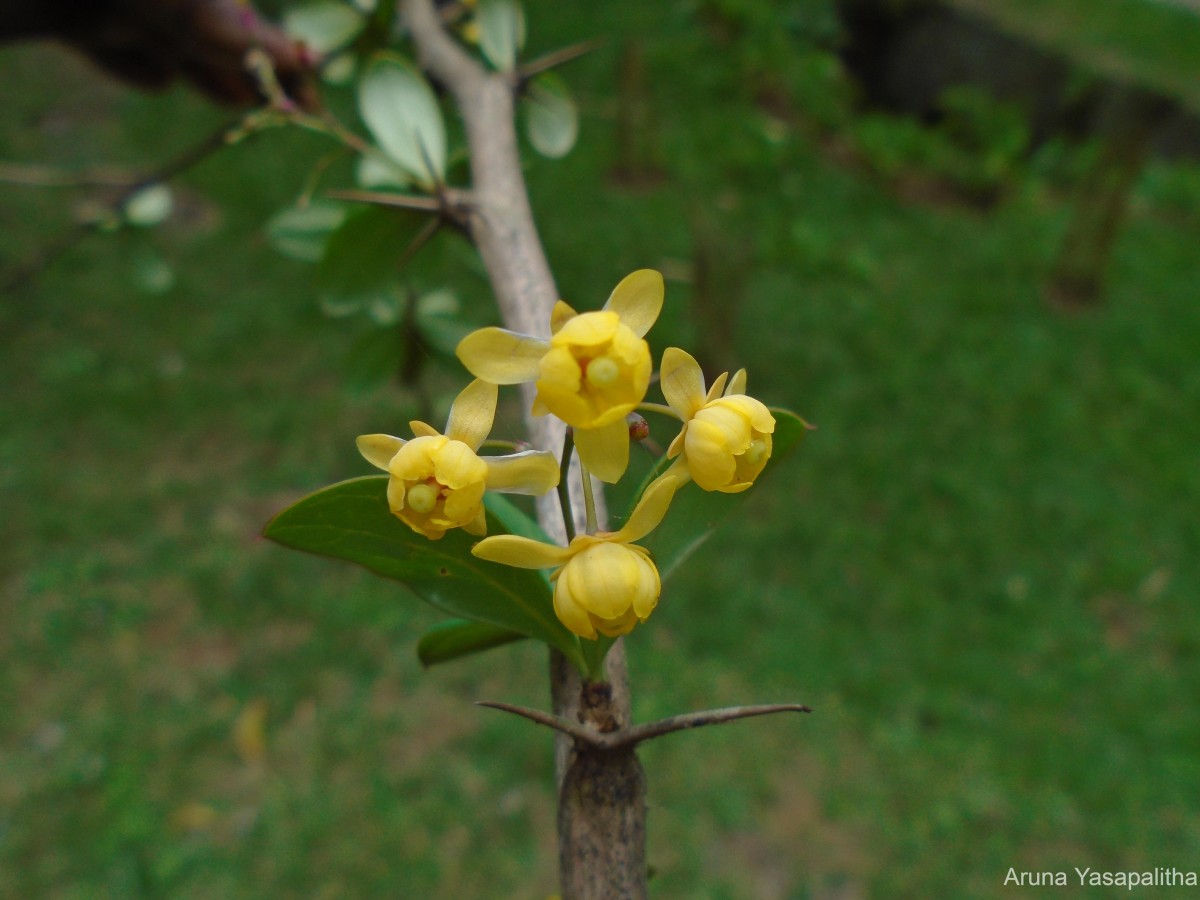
pixel 981 570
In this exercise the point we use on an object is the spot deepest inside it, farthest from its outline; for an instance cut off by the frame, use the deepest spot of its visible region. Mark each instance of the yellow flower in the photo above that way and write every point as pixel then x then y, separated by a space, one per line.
pixel 726 438
pixel 437 480
pixel 603 582
pixel 592 371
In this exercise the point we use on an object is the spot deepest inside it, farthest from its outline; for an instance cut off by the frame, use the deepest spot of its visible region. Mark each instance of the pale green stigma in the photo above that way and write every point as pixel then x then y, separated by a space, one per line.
pixel 602 372
pixel 422 498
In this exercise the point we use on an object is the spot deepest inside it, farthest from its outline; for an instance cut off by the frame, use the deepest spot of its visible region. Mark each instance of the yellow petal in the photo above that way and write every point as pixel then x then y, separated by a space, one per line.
pixel 420 429
pixel 737 384
pixel 604 451
pixel 500 356
pixel 532 472
pixel 682 382
pixel 709 454
pixel 456 465
pixel 378 449
pixel 717 386
pixel 559 316
pixel 395 494
pixel 638 300
pixel 650 509
pixel 478 525
pixel 472 414
pixel 587 330
pixel 521 552
pixel 571 614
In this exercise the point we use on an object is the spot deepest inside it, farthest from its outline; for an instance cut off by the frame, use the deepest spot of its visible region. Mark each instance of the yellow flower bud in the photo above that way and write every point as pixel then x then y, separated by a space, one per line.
pixel 728 443
pixel 607 587
pixel 725 442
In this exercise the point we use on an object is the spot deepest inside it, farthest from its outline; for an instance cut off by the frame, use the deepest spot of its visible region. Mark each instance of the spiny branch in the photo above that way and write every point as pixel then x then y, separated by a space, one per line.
pixel 626 738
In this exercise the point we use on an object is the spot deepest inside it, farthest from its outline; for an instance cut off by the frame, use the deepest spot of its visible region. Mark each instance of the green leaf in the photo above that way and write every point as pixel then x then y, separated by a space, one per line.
pixel 149 206
pixel 300 232
pixel 358 266
pixel 457 638
pixel 513 520
pixel 695 514
pixel 551 116
pixel 324 26
pixel 402 113
pixel 351 521
pixel 501 32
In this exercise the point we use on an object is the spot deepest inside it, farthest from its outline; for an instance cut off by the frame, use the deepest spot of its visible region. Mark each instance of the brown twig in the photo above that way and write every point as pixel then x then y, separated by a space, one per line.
pixel 556 58
pixel 626 738
pixel 56 248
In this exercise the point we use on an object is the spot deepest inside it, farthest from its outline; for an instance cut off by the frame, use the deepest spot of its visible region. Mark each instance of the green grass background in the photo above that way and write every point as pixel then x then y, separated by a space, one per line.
pixel 981 570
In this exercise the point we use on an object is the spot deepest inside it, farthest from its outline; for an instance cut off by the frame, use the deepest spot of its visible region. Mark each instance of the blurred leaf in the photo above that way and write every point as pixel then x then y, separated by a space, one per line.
pixel 551 116
pixel 377 170
pixel 150 206
pixel 695 514
pixel 351 521
pixel 375 358
pixel 457 638
pixel 359 263
pixel 501 32
pixel 250 731
pixel 324 26
pixel 438 322
pixel 151 273
pixel 300 232
pixel 403 115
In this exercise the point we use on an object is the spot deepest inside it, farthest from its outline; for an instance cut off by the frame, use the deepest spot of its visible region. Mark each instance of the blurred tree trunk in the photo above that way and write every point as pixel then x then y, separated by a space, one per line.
pixel 1129 119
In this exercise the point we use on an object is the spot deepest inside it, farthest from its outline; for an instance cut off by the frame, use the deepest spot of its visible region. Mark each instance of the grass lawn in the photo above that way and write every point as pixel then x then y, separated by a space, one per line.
pixel 981 570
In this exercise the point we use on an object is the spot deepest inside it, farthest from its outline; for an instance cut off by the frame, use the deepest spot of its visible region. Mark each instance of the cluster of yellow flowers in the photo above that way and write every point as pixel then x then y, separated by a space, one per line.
pixel 592 372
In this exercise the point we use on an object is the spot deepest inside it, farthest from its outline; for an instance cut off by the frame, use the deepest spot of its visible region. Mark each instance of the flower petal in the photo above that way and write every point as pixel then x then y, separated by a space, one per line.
pixel 709 453
pixel 532 472
pixel 604 451
pixel 682 382
pixel 501 356
pixel 472 414
pixel 521 552
pixel 378 449
pixel 478 525
pixel 421 429
pixel 572 614
pixel 649 510
pixel 456 466
pixel 638 300
pixel 717 386
pixel 737 384
pixel 560 315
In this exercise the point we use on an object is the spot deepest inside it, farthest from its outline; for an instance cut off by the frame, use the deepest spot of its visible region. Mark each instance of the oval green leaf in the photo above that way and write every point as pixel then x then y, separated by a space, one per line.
pixel 400 109
pixel 300 232
pixel 456 638
pixel 351 521
pixel 501 32
pixel 695 514
pixel 551 116
pixel 325 26
pixel 358 267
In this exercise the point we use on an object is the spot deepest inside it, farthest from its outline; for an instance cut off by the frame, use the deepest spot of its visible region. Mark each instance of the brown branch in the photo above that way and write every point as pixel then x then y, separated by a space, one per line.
pixel 556 58
pixel 627 738
pixel 501 224
pixel 631 737
pixel 66 241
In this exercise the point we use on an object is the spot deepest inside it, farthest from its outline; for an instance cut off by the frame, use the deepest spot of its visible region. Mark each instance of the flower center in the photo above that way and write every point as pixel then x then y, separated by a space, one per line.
pixel 755 452
pixel 422 498
pixel 602 372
